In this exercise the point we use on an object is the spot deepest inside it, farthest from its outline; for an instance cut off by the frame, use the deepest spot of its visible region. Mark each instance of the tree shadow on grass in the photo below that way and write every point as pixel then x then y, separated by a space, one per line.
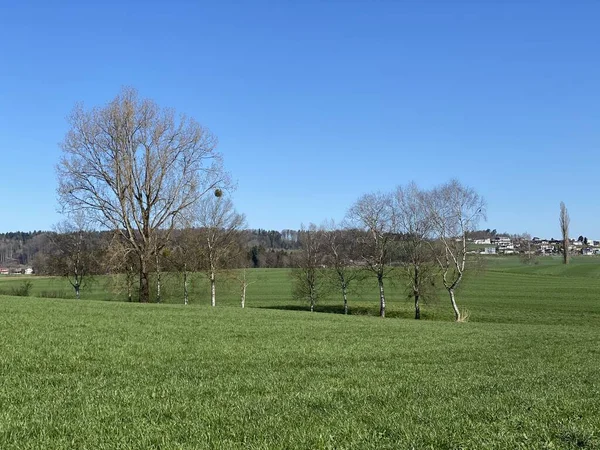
pixel 335 309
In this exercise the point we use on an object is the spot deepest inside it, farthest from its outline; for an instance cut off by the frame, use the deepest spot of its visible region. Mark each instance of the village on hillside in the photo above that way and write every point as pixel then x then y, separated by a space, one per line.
pixel 506 245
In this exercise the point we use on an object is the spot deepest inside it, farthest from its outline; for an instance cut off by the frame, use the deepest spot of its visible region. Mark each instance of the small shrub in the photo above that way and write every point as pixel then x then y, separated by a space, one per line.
pixel 464 316
pixel 23 290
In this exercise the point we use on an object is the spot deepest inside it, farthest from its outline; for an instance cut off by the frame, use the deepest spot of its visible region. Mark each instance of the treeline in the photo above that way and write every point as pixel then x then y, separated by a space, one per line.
pixel 263 248
pixel 410 234
pixel 19 248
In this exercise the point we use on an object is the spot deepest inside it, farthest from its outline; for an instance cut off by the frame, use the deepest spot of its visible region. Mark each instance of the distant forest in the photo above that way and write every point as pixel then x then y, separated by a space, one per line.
pixel 36 249
pixel 259 248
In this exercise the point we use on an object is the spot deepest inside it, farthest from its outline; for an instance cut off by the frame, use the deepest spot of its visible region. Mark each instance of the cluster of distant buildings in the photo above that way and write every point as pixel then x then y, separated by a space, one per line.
pixel 505 245
pixel 16 271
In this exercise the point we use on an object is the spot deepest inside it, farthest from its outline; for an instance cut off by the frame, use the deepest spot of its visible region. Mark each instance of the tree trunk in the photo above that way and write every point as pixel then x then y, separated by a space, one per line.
pixel 381 297
pixel 129 280
pixel 157 280
pixel 566 251
pixel 416 293
pixel 454 307
pixel 417 307
pixel 185 287
pixel 76 286
pixel 212 289
pixel 243 295
pixel 144 282
pixel 345 296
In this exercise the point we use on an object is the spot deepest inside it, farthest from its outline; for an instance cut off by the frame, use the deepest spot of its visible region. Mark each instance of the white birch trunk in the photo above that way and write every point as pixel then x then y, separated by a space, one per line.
pixel 212 289
pixel 381 298
pixel 454 307
pixel 185 287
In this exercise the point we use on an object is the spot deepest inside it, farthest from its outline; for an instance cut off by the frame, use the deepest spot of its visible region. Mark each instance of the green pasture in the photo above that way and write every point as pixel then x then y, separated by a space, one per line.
pixel 522 373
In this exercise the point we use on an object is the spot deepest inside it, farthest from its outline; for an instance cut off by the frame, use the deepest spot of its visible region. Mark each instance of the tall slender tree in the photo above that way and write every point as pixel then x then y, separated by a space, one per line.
pixel 373 214
pixel 414 226
pixel 564 221
pixel 454 211
pixel 307 273
pixel 219 226
pixel 340 251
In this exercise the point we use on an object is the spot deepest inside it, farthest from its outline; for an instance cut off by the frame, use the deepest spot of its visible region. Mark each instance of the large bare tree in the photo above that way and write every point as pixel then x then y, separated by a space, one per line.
pixel 454 211
pixel 373 214
pixel 564 221
pixel 414 227
pixel 135 167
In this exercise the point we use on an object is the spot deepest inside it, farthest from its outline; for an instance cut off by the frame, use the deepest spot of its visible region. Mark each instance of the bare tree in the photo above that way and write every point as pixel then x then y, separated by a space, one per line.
pixel 74 256
pixel 564 221
pixel 219 224
pixel 527 252
pixel 122 264
pixel 340 248
pixel 244 283
pixel 374 215
pixel 454 211
pixel 414 227
pixel 135 167
pixel 184 256
pixel 308 265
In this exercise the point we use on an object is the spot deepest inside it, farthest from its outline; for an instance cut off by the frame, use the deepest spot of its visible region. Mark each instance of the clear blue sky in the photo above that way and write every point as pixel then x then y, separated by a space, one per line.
pixel 318 102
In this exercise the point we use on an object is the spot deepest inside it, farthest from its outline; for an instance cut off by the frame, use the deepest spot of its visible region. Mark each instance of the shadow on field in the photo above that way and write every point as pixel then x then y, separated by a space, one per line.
pixel 352 311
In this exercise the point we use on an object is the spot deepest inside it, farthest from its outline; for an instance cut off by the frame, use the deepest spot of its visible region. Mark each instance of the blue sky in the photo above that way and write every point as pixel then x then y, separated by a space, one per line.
pixel 318 102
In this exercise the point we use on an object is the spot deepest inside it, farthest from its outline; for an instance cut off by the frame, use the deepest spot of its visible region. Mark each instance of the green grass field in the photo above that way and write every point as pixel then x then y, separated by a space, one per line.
pixel 524 372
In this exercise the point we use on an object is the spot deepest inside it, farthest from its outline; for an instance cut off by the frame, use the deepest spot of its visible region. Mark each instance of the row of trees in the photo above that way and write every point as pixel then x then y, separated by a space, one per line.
pixel 154 181
pixel 419 234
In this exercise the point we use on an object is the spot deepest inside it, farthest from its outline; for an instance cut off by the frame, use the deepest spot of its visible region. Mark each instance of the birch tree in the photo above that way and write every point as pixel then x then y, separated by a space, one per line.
pixel 414 227
pixel 135 167
pixel 454 211
pixel 564 221
pixel 340 248
pixel 373 214
pixel 219 225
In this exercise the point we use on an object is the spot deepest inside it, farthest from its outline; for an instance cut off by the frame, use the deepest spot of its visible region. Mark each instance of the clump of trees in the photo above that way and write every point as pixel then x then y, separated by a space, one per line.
pixel 410 234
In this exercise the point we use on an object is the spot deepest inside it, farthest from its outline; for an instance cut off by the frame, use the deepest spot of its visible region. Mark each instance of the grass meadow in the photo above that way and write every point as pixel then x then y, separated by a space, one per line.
pixel 524 372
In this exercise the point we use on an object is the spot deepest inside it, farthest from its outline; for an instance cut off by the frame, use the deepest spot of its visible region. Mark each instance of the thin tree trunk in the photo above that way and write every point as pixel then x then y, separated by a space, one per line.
pixel 454 307
pixel 244 295
pixel 185 286
pixel 76 291
pixel 417 307
pixel 129 280
pixel 345 296
pixel 381 297
pixel 157 279
pixel 416 293
pixel 212 288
